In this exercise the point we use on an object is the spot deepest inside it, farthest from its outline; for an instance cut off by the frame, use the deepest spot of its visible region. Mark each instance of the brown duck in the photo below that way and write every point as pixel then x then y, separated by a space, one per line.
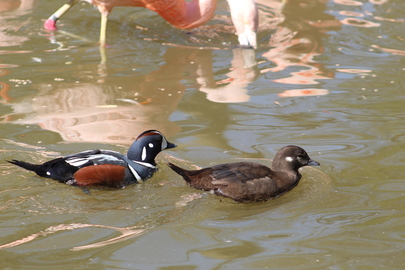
pixel 251 181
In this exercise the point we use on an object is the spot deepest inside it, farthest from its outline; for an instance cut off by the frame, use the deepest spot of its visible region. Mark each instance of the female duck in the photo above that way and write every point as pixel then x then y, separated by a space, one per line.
pixel 251 181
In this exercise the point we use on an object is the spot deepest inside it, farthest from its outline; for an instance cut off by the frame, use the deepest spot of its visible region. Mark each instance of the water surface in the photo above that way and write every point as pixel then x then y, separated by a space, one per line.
pixel 328 76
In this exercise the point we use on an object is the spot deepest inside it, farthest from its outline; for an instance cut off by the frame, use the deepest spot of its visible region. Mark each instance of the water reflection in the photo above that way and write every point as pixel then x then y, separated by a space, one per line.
pixel 115 110
pixel 297 41
pixel 11 13
pixel 98 113
pixel 359 223
pixel 233 89
pixel 104 110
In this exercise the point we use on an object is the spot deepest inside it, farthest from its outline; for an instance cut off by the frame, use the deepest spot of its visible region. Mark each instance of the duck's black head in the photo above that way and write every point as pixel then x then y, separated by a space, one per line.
pixel 292 157
pixel 146 147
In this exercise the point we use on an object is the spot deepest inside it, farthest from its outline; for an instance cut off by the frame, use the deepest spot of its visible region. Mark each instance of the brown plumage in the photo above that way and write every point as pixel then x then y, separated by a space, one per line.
pixel 251 181
pixel 108 175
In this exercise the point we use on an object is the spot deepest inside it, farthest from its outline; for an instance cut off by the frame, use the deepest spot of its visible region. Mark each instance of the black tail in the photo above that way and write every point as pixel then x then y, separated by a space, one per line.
pixel 179 171
pixel 38 169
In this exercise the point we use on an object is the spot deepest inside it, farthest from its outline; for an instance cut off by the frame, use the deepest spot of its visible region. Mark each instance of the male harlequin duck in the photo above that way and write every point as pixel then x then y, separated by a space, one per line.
pixel 104 168
pixel 251 181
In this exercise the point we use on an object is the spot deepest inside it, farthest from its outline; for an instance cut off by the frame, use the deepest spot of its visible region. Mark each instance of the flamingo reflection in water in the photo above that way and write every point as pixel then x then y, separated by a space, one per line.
pixel 179 13
pixel 114 111
pixel 295 39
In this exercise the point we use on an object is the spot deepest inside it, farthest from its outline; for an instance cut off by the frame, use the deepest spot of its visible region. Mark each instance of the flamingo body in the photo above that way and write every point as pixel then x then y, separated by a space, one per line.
pixel 179 13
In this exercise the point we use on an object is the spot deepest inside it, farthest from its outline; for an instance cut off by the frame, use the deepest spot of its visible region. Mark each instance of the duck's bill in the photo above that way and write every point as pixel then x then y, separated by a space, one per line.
pixel 313 163
pixel 170 145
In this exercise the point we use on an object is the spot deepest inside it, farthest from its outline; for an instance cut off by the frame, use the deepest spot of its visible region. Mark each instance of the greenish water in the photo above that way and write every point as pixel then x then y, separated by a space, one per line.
pixel 328 76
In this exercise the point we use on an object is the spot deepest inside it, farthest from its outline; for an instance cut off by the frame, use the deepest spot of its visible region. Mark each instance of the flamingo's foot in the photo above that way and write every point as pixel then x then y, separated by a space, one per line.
pixel 50 24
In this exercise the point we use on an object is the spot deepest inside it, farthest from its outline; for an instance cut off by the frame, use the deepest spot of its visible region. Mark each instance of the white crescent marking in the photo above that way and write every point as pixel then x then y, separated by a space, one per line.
pixel 135 174
pixel 143 153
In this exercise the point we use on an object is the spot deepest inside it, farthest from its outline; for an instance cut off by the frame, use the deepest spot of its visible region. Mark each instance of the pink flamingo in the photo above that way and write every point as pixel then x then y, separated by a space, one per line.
pixel 179 13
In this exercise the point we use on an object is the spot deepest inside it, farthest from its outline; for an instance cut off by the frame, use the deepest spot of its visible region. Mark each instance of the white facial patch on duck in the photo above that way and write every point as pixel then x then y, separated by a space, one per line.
pixel 289 159
pixel 150 145
pixel 143 153
pixel 164 144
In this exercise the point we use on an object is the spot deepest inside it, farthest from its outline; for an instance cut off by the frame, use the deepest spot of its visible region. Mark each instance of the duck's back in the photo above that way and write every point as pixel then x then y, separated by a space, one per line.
pixel 249 181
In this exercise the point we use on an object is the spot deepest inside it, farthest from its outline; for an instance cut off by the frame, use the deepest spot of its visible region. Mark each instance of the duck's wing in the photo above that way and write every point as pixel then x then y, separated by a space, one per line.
pixel 95 157
pixel 245 181
pixel 239 173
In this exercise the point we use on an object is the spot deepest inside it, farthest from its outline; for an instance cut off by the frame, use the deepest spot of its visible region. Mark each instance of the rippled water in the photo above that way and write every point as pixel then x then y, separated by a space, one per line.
pixel 328 76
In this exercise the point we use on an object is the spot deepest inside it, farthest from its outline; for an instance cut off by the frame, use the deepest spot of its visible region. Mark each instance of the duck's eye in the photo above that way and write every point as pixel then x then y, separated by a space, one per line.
pixel 150 145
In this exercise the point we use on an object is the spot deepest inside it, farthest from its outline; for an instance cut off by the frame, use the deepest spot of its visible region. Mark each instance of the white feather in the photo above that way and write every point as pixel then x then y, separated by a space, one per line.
pixel 78 161
pixel 143 153
pixel 135 174
pixel 145 164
